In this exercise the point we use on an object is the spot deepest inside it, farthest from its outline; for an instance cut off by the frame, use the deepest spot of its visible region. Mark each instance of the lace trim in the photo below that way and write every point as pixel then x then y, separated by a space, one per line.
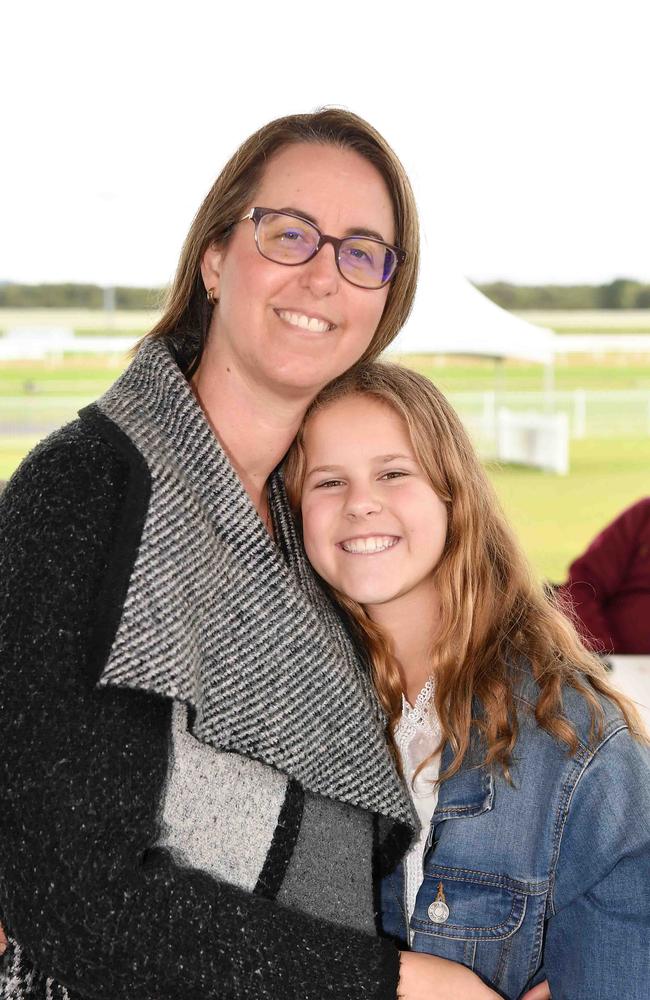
pixel 418 721
pixel 417 736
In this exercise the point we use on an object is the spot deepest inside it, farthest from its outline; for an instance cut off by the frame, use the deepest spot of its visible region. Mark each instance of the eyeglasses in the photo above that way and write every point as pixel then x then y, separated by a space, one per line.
pixel 289 239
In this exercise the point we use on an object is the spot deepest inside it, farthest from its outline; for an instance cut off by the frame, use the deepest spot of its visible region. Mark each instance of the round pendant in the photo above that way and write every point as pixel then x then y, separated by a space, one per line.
pixel 438 912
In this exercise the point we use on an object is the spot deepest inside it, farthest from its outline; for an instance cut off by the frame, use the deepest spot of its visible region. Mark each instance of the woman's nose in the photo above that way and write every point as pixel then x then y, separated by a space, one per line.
pixel 320 274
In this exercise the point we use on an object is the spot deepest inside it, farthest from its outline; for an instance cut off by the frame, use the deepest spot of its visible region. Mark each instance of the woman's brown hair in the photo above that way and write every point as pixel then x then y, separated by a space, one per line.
pixel 186 317
pixel 495 618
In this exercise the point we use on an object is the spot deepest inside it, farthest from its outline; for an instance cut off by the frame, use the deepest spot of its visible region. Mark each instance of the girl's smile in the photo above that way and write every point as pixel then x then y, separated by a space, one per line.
pixel 369 545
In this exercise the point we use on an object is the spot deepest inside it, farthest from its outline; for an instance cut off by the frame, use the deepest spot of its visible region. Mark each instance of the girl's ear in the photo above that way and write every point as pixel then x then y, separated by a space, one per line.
pixel 211 268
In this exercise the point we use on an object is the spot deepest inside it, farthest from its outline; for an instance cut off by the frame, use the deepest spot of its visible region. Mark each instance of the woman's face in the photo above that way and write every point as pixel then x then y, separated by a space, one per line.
pixel 374 527
pixel 255 326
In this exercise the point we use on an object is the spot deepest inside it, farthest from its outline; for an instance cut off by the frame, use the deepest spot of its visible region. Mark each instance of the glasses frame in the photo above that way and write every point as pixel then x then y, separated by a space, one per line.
pixel 257 214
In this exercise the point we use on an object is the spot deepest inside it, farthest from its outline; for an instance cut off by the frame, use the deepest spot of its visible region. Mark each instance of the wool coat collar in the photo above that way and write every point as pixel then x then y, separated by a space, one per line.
pixel 218 616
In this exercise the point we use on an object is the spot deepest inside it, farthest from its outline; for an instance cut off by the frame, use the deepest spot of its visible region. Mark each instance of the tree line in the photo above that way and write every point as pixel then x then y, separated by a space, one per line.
pixel 77 296
pixel 623 293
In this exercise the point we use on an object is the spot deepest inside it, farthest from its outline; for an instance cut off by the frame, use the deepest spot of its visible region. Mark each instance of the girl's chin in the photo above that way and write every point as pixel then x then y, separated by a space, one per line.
pixel 369 596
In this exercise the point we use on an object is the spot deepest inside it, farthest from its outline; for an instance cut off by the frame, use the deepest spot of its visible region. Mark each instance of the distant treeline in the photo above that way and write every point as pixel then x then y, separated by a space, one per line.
pixel 623 293
pixel 75 296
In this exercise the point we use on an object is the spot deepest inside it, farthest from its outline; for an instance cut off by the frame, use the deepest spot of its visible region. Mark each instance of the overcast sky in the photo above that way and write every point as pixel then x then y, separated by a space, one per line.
pixel 523 125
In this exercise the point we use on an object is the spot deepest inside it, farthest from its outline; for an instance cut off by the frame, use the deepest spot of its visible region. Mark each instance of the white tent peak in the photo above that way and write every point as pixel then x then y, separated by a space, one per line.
pixel 451 316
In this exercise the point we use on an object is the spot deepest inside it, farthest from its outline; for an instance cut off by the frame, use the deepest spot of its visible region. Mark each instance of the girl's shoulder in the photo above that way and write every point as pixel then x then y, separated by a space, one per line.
pixel 577 709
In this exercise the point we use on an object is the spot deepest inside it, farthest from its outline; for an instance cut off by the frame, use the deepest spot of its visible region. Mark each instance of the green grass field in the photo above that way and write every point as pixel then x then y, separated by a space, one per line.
pixel 554 516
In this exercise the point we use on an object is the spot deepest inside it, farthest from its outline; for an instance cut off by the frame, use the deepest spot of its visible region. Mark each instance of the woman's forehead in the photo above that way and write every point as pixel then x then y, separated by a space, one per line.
pixel 338 188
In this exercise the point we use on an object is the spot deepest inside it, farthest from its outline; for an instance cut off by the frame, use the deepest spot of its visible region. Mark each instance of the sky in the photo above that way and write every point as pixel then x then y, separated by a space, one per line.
pixel 522 123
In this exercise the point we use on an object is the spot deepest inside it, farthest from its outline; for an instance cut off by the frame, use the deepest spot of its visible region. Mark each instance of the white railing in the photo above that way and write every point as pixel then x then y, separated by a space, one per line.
pixel 540 440
pixel 590 413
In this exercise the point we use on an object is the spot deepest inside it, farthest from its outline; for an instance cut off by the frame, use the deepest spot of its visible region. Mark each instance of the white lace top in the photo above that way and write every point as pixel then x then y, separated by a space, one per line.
pixel 416 736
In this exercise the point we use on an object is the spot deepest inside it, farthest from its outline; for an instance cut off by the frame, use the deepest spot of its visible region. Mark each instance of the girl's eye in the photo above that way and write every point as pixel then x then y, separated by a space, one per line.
pixel 329 483
pixel 394 474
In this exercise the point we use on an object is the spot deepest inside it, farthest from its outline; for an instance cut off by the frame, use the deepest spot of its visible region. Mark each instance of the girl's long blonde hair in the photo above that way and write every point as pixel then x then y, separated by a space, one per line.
pixel 494 616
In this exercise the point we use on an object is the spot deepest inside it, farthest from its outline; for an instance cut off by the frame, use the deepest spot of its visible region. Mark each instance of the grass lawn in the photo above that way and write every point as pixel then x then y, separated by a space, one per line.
pixel 476 375
pixel 13 450
pixel 554 516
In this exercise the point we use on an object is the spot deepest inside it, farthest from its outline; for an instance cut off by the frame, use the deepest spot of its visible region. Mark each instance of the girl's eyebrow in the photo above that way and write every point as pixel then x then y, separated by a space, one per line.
pixel 324 468
pixel 377 458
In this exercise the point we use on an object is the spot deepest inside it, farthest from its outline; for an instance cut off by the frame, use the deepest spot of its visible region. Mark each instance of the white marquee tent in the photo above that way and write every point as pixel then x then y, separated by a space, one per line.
pixel 451 316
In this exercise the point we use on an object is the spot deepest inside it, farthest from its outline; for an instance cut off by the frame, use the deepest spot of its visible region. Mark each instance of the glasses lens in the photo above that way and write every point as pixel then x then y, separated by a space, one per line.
pixel 367 262
pixel 285 239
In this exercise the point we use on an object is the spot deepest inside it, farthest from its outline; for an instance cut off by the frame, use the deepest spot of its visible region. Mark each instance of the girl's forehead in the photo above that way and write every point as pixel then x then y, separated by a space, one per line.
pixel 354 423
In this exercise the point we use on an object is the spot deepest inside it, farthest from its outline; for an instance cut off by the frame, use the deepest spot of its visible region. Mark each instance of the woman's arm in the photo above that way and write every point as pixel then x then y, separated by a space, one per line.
pixel 81 774
pixel 597 937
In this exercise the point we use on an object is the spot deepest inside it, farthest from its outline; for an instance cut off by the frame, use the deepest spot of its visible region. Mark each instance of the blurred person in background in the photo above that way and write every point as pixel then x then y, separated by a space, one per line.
pixel 608 587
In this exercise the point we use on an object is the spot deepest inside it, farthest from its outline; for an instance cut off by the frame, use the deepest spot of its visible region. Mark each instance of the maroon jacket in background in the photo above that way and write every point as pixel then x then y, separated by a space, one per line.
pixel 609 585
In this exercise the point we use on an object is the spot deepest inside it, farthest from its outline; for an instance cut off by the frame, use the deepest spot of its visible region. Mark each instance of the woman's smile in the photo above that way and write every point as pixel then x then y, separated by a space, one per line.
pixel 306 321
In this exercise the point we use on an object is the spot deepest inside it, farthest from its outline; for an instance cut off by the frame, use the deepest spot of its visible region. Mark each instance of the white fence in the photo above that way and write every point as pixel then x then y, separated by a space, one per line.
pixel 531 438
pixel 589 413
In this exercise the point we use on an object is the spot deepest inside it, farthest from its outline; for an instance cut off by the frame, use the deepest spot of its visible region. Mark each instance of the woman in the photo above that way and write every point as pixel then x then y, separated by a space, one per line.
pixel 533 793
pixel 196 789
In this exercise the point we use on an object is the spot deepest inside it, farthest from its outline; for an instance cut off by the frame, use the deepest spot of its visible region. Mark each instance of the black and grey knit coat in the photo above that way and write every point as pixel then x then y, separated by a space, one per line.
pixel 195 790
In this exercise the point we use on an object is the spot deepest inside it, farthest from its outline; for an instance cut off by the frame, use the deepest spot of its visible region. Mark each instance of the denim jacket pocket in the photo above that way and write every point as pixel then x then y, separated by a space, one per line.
pixel 490 923
pixel 480 906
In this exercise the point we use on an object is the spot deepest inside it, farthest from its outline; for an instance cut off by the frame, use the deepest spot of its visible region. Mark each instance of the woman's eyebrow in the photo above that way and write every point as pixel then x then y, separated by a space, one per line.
pixel 353 231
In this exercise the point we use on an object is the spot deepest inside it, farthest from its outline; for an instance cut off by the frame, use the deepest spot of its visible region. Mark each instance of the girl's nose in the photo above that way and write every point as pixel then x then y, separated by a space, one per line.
pixel 362 503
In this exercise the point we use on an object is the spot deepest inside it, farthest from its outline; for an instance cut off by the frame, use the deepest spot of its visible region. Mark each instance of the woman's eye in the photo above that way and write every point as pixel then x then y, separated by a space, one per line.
pixel 290 235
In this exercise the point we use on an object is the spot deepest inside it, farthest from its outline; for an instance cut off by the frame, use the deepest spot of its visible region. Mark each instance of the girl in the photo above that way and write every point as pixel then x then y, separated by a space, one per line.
pixel 528 771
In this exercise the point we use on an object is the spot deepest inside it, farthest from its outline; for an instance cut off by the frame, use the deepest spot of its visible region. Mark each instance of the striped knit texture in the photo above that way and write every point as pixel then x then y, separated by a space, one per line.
pixel 20 981
pixel 211 594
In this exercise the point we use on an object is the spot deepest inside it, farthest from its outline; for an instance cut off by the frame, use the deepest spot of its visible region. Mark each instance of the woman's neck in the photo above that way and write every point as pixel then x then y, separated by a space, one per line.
pixel 411 624
pixel 254 427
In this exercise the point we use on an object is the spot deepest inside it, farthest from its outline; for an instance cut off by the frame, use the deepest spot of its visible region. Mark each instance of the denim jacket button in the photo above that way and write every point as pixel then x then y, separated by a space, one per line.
pixel 438 912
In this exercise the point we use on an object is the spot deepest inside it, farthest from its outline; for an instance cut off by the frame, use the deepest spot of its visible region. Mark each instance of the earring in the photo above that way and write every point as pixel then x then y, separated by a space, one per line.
pixel 212 299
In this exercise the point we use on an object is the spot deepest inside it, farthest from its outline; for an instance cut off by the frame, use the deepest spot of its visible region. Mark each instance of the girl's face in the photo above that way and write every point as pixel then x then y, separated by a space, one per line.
pixel 374 527
pixel 293 329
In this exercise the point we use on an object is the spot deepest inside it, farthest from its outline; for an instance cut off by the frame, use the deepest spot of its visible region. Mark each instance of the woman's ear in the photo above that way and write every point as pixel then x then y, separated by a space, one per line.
pixel 211 268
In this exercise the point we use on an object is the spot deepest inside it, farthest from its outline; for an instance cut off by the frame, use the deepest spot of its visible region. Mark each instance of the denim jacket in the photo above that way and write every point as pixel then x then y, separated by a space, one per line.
pixel 548 877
